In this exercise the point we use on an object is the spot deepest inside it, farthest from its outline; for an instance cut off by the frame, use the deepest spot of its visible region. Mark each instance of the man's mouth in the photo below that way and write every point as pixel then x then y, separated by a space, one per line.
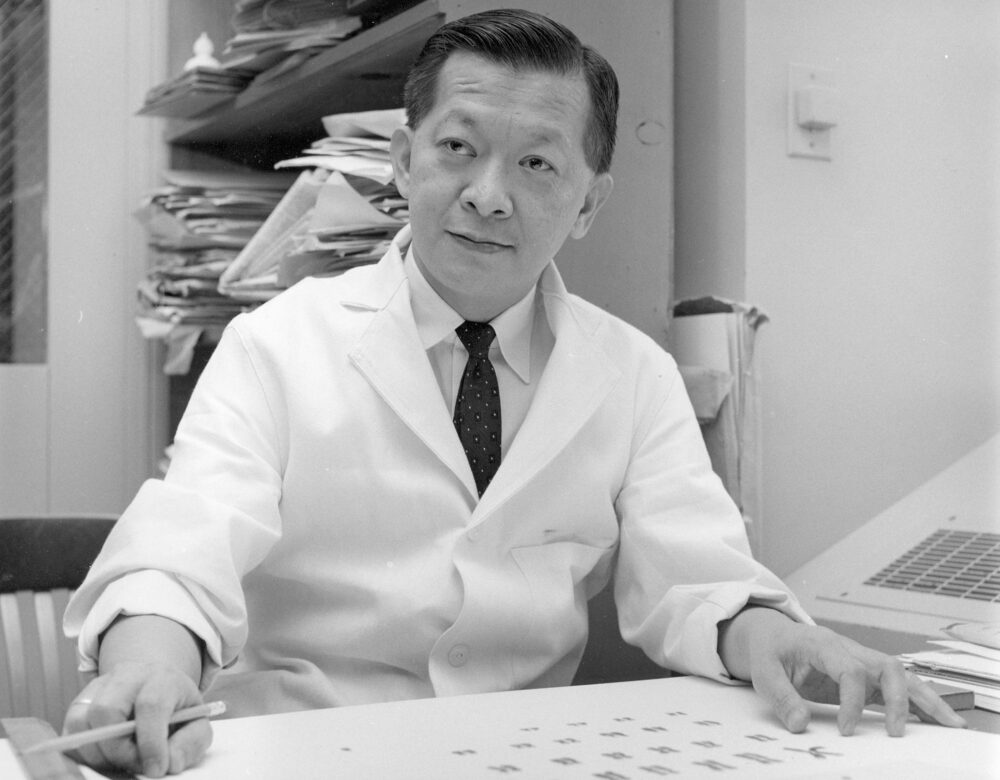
pixel 478 243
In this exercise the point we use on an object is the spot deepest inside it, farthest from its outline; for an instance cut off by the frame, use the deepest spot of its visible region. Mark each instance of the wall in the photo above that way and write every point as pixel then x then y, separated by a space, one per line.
pixel 710 122
pixel 103 404
pixel 878 269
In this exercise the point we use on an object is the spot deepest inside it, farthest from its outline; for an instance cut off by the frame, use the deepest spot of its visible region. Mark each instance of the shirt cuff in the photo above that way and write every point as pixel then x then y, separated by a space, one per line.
pixel 148 592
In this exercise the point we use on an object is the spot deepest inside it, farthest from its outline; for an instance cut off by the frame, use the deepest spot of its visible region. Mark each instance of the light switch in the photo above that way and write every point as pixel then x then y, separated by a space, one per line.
pixel 816 107
pixel 812 111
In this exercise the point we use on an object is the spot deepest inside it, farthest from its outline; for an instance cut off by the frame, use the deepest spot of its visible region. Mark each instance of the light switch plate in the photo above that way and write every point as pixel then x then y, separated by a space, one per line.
pixel 802 142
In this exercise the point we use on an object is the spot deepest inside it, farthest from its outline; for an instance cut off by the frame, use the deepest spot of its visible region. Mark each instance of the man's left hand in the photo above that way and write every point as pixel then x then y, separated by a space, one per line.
pixel 789 662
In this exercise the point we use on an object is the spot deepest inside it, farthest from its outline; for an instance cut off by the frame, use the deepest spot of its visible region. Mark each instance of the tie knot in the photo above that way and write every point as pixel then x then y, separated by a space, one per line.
pixel 477 337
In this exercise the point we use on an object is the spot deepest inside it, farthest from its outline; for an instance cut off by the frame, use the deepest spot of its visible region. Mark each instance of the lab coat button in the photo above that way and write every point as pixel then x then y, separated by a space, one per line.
pixel 458 655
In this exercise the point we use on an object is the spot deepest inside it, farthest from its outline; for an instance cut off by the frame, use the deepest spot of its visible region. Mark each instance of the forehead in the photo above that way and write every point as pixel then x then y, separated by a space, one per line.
pixel 472 90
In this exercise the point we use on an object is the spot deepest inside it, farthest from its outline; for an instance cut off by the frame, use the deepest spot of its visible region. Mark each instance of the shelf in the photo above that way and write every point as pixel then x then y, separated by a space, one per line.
pixel 279 116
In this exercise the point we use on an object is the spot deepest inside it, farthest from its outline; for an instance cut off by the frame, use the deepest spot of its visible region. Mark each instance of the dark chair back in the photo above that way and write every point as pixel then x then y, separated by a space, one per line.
pixel 42 560
pixel 607 657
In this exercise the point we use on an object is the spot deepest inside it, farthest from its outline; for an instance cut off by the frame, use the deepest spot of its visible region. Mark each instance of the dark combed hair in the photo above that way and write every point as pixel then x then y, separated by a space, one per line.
pixel 521 40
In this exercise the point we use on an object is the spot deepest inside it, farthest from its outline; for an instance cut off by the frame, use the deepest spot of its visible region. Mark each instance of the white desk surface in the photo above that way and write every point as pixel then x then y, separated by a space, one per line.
pixel 623 731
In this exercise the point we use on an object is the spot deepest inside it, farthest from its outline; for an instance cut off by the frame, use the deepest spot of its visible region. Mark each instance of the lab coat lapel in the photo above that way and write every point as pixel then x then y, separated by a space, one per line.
pixel 390 356
pixel 577 379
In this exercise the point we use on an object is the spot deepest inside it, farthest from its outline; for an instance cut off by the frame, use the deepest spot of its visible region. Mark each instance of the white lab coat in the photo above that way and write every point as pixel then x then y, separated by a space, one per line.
pixel 320 522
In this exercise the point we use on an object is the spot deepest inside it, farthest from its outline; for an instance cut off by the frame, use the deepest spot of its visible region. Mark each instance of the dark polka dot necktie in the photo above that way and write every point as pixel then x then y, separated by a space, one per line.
pixel 477 408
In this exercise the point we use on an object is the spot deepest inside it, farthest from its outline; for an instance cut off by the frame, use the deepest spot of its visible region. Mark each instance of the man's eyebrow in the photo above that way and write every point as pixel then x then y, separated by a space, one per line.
pixel 545 137
pixel 460 117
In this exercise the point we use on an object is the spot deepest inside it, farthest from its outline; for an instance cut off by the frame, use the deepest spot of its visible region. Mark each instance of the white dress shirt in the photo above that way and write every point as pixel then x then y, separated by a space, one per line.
pixel 519 352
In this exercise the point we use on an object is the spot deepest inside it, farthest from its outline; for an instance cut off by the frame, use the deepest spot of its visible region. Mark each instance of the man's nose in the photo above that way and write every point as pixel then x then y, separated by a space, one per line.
pixel 488 192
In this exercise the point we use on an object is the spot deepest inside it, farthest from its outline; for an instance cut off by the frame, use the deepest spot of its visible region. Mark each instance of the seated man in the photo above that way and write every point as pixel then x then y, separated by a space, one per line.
pixel 408 480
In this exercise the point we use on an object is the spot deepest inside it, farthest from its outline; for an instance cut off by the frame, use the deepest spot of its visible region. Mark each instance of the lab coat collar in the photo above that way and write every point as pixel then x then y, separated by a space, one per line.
pixel 391 357
pixel 373 287
pixel 577 378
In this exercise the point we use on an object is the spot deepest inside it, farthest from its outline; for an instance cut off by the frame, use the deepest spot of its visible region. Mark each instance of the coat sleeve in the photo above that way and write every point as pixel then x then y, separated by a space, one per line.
pixel 684 562
pixel 182 546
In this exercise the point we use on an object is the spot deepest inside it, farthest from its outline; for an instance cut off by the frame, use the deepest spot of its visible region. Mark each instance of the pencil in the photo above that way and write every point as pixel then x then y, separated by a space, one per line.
pixel 80 738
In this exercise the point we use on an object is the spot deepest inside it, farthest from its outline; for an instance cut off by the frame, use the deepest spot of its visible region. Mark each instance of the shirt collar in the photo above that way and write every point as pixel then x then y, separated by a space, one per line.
pixel 436 320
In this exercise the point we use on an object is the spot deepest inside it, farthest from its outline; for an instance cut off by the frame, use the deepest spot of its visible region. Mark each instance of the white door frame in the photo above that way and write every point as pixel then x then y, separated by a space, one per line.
pixel 80 433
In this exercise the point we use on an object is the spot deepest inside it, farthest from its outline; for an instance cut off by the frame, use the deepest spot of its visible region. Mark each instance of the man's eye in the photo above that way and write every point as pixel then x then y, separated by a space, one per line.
pixel 457 147
pixel 537 164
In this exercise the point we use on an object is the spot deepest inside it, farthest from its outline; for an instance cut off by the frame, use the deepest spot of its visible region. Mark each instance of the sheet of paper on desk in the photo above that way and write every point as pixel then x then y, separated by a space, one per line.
pixel 626 731
pixel 974 667
pixel 11 769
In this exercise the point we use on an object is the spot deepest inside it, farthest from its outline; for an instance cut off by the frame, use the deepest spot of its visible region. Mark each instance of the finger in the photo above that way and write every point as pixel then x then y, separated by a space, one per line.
pixel 864 676
pixel 896 697
pixel 77 718
pixel 930 707
pixel 189 744
pixel 771 682
pixel 105 707
pixel 76 713
pixel 112 703
pixel 153 708
pixel 853 691
pixel 149 699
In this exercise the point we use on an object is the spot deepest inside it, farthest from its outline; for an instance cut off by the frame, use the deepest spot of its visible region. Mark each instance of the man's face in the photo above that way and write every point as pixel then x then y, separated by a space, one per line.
pixel 496 179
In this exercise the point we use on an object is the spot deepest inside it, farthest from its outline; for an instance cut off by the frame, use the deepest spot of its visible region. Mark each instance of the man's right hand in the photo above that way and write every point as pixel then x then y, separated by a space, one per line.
pixel 148 668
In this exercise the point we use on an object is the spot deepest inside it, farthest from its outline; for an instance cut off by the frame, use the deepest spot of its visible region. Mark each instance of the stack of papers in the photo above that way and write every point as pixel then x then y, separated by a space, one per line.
pixel 258 15
pixel 286 31
pixel 272 37
pixel 198 223
pixel 182 288
pixel 195 91
pixel 197 209
pixel 342 211
pixel 967 665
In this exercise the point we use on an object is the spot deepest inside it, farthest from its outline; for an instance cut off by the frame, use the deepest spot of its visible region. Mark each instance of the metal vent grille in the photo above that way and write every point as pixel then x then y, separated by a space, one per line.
pixel 960 564
pixel 23 180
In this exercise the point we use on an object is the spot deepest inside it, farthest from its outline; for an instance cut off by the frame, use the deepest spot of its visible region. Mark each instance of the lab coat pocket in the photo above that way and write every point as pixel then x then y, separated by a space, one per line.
pixel 561 577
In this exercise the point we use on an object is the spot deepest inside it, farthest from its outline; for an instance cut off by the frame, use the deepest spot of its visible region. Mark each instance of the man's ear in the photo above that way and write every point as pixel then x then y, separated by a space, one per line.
pixel 600 189
pixel 400 147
